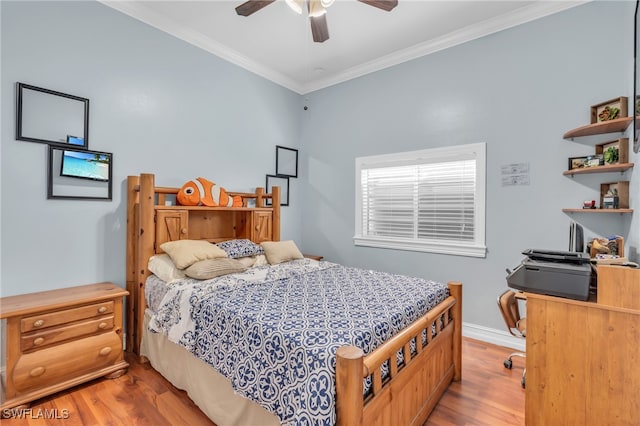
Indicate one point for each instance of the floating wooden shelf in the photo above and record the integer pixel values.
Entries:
(621, 211)
(611, 126)
(620, 167)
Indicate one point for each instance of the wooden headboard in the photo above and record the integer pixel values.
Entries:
(150, 222)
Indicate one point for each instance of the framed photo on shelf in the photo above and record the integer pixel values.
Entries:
(578, 162)
(283, 183)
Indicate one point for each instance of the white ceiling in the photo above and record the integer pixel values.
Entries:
(276, 43)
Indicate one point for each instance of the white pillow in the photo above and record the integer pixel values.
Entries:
(185, 253)
(162, 267)
(281, 251)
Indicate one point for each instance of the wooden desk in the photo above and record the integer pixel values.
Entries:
(619, 286)
(582, 357)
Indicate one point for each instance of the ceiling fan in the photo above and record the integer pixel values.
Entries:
(317, 12)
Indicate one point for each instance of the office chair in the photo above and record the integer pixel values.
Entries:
(517, 326)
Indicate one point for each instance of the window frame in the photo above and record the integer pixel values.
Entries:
(477, 248)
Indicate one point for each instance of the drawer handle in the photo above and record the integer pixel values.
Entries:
(105, 351)
(102, 309)
(102, 325)
(38, 341)
(183, 230)
(38, 323)
(38, 371)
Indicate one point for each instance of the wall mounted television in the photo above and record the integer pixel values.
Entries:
(91, 165)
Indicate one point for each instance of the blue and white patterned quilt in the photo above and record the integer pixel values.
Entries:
(273, 330)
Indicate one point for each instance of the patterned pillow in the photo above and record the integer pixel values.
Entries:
(240, 248)
(211, 268)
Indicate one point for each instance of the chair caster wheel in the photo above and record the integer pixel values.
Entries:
(508, 363)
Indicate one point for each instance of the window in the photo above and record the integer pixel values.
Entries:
(431, 200)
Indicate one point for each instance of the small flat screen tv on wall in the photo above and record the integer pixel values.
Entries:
(86, 165)
(75, 140)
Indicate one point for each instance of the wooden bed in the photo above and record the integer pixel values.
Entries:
(409, 393)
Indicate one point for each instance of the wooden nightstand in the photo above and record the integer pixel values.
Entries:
(60, 338)
(313, 256)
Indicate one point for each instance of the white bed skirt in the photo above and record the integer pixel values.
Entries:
(208, 389)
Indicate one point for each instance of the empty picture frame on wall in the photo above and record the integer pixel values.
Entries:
(283, 183)
(286, 161)
(51, 117)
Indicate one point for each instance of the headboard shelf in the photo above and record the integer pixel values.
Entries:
(205, 208)
(151, 222)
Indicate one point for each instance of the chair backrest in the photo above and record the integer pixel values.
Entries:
(510, 311)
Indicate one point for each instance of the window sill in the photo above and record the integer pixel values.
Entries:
(440, 247)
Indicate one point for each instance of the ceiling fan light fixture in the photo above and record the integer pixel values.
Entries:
(316, 9)
(295, 5)
(326, 3)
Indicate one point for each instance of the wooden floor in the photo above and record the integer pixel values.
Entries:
(489, 394)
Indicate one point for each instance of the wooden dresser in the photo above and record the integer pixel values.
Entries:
(60, 338)
(582, 357)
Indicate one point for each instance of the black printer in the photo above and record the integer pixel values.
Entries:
(556, 273)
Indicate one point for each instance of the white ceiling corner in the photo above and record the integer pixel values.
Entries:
(276, 44)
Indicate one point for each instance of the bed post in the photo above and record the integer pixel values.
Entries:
(349, 387)
(145, 241)
(132, 226)
(276, 212)
(455, 288)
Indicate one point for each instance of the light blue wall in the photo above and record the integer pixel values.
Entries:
(163, 106)
(158, 104)
(519, 91)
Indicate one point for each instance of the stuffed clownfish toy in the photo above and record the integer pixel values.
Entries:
(202, 192)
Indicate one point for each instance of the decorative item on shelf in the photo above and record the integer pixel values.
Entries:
(609, 110)
(614, 152)
(589, 204)
(606, 247)
(611, 155)
(614, 195)
(611, 199)
(586, 161)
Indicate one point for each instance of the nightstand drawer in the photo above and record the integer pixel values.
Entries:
(38, 322)
(39, 339)
(65, 361)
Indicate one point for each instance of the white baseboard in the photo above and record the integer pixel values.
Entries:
(491, 335)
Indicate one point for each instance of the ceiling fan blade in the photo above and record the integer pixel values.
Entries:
(387, 5)
(252, 6)
(319, 28)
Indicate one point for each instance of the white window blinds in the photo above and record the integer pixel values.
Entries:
(429, 200)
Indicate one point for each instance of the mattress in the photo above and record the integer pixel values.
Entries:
(273, 330)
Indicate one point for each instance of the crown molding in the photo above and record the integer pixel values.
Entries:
(536, 10)
(137, 11)
(490, 26)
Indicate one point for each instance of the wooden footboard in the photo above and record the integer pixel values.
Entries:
(411, 390)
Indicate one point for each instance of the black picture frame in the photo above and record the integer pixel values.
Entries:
(77, 185)
(283, 183)
(286, 161)
(51, 117)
